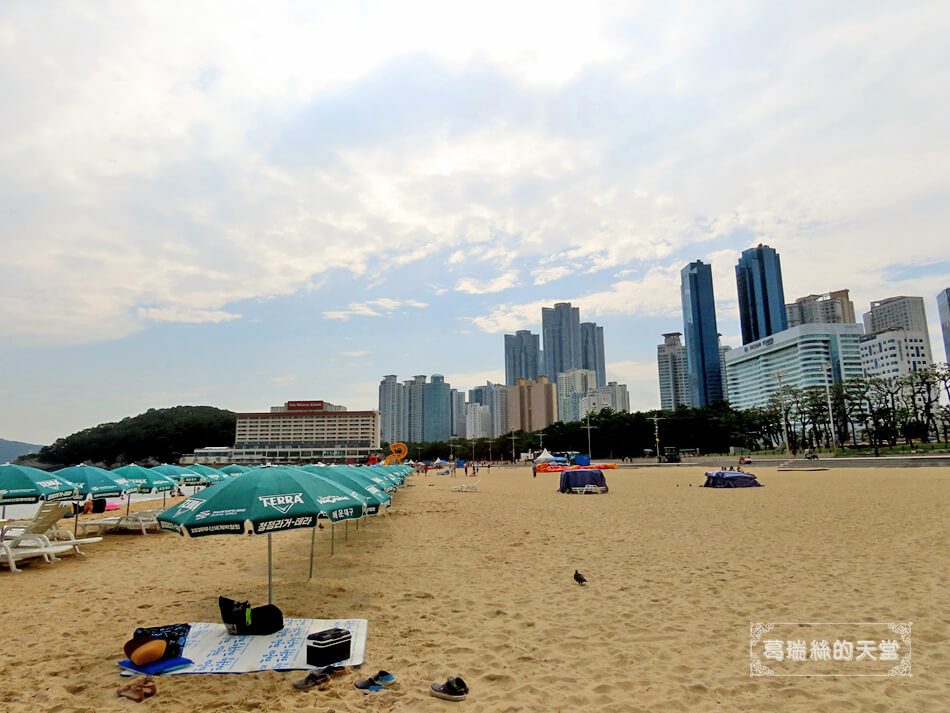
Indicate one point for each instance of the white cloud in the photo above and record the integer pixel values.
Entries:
(356, 354)
(185, 314)
(463, 381)
(372, 308)
(478, 286)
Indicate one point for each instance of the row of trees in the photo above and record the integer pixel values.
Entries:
(870, 410)
(874, 409)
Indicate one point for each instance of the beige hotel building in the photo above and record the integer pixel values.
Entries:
(298, 432)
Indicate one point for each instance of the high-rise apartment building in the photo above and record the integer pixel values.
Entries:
(612, 395)
(561, 332)
(415, 409)
(761, 295)
(523, 356)
(499, 410)
(673, 373)
(477, 421)
(702, 337)
(828, 308)
(943, 309)
(391, 394)
(723, 350)
(592, 351)
(893, 353)
(458, 413)
(437, 420)
(902, 312)
(572, 385)
(532, 405)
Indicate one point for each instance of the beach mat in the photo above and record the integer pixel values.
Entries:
(213, 650)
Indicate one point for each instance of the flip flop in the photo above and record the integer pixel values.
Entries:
(454, 689)
(148, 687)
(316, 678)
(132, 691)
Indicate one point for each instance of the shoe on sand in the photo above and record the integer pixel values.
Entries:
(454, 689)
(315, 678)
(368, 685)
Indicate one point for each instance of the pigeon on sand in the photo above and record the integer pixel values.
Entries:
(579, 578)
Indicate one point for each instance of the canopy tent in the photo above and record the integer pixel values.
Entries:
(544, 457)
(730, 479)
(583, 481)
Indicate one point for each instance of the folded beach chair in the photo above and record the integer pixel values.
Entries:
(10, 555)
(102, 525)
(467, 487)
(41, 531)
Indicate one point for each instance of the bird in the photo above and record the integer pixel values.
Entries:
(579, 578)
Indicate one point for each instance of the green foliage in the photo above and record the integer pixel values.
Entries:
(160, 435)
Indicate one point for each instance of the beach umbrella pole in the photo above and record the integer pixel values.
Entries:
(270, 580)
(313, 543)
(331, 536)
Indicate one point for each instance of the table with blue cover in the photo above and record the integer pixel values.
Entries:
(579, 479)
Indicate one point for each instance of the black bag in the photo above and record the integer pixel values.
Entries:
(241, 618)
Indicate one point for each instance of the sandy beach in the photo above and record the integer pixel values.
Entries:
(480, 585)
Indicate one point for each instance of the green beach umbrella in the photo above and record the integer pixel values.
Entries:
(262, 502)
(234, 469)
(145, 480)
(96, 483)
(212, 475)
(181, 475)
(377, 500)
(21, 484)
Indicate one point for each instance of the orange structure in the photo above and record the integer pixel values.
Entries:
(399, 451)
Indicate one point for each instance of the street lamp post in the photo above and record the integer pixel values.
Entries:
(656, 436)
(831, 416)
(779, 375)
(588, 427)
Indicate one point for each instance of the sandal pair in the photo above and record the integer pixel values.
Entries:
(138, 691)
(454, 689)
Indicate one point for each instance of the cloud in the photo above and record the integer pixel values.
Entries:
(356, 354)
(372, 308)
(463, 381)
(185, 314)
(477, 286)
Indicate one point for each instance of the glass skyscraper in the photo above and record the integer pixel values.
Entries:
(522, 356)
(943, 309)
(561, 330)
(592, 351)
(702, 336)
(437, 417)
(761, 296)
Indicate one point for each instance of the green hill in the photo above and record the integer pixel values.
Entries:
(159, 435)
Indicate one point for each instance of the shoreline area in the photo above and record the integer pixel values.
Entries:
(480, 585)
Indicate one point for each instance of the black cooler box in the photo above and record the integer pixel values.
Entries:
(328, 647)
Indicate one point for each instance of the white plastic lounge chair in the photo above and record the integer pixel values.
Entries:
(11, 555)
(100, 526)
(41, 531)
(467, 487)
(140, 521)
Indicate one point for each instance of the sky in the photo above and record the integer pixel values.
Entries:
(239, 204)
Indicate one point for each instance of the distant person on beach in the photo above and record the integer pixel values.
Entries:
(466, 469)
(534, 471)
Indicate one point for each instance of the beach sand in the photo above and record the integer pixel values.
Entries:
(480, 585)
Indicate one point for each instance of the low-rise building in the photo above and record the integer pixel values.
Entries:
(800, 357)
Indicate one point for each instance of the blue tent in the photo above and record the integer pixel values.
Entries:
(730, 479)
(583, 481)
